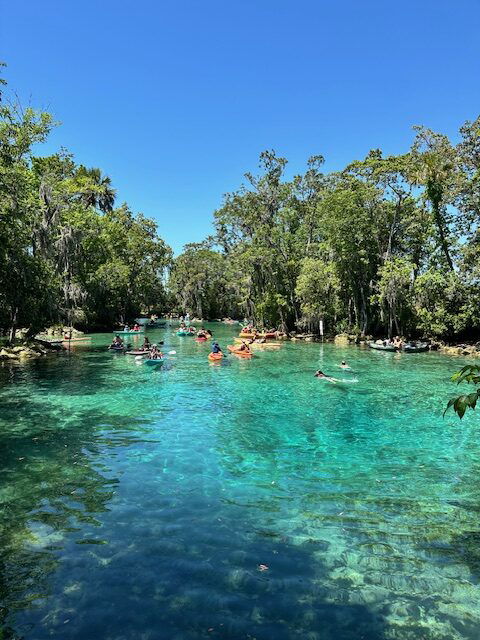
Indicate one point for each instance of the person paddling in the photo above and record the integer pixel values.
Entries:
(216, 348)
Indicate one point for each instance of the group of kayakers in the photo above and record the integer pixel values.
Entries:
(250, 328)
(147, 347)
(136, 327)
(393, 342)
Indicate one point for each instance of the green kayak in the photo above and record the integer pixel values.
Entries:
(154, 362)
(128, 332)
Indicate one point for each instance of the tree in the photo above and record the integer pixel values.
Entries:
(394, 294)
(21, 273)
(95, 189)
(199, 283)
(433, 165)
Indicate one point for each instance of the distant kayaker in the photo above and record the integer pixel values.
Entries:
(146, 344)
(116, 342)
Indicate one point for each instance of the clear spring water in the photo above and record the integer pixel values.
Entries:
(140, 504)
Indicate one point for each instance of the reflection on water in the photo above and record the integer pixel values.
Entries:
(248, 501)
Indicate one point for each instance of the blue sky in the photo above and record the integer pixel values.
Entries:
(175, 100)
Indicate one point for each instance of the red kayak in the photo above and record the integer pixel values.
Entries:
(201, 339)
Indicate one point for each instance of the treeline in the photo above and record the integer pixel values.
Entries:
(67, 254)
(390, 245)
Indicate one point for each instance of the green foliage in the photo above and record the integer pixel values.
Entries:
(199, 283)
(379, 247)
(394, 294)
(66, 255)
(388, 245)
(471, 375)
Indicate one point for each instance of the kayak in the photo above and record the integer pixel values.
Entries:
(154, 362)
(201, 339)
(382, 347)
(182, 333)
(243, 354)
(415, 348)
(246, 334)
(137, 353)
(130, 332)
(117, 348)
(215, 357)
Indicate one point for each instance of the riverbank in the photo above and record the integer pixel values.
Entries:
(28, 350)
(461, 349)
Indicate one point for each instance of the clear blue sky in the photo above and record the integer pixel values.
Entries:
(175, 100)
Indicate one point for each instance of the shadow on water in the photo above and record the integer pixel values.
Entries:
(164, 577)
(49, 486)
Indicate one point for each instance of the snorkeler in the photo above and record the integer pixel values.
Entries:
(320, 374)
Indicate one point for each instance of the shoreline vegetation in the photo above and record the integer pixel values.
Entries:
(387, 246)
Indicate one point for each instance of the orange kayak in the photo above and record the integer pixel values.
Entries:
(243, 354)
(214, 357)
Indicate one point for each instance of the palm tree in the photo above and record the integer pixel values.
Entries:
(97, 191)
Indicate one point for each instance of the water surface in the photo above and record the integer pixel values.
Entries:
(248, 500)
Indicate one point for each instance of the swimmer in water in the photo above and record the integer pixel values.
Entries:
(344, 365)
(320, 374)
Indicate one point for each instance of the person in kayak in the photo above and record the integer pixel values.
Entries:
(320, 374)
(208, 333)
(244, 347)
(117, 341)
(146, 346)
(216, 348)
(155, 354)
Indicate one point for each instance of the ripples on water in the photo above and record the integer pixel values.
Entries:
(141, 504)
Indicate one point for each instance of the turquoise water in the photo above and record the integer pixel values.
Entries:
(141, 504)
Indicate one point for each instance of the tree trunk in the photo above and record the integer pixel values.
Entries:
(13, 326)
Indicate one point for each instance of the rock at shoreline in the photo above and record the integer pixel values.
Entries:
(22, 352)
(470, 351)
